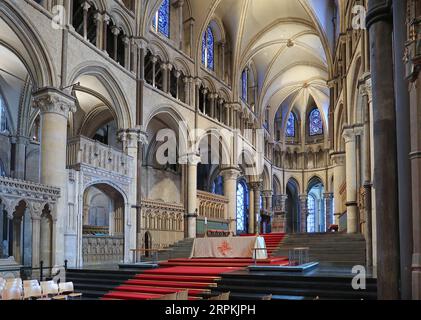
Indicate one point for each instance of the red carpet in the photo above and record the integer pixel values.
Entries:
(198, 276)
(273, 240)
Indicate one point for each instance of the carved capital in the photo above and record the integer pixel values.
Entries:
(141, 43)
(350, 133)
(231, 173)
(191, 159)
(51, 100)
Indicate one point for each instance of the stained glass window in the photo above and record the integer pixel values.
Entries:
(208, 49)
(290, 131)
(2, 170)
(311, 207)
(161, 22)
(3, 119)
(244, 80)
(241, 207)
(316, 123)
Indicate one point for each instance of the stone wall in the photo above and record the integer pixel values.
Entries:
(102, 250)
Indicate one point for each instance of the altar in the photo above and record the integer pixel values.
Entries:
(230, 247)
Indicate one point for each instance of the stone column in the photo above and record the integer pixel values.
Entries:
(133, 141)
(213, 97)
(365, 90)
(115, 31)
(177, 80)
(99, 30)
(413, 61)
(350, 134)
(191, 26)
(303, 213)
(257, 194)
(105, 22)
(127, 52)
(179, 6)
(223, 61)
(36, 236)
(379, 24)
(191, 161)
(165, 77)
(403, 147)
(21, 144)
(55, 106)
(328, 197)
(338, 160)
(230, 191)
(154, 60)
(86, 6)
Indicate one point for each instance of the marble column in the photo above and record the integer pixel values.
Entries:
(55, 107)
(379, 24)
(303, 213)
(257, 195)
(338, 160)
(230, 176)
(350, 135)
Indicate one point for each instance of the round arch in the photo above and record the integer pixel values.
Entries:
(19, 37)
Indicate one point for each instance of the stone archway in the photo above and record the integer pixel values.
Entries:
(103, 225)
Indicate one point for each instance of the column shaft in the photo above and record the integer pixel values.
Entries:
(385, 172)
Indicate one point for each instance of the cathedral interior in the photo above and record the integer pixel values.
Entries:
(131, 127)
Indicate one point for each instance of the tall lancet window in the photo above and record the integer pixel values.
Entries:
(315, 123)
(242, 202)
(3, 118)
(244, 86)
(208, 49)
(290, 131)
(311, 218)
(161, 21)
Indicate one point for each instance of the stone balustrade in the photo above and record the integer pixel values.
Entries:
(83, 151)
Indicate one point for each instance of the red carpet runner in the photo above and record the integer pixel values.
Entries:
(198, 276)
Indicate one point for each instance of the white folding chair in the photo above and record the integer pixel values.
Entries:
(67, 288)
(10, 285)
(49, 288)
(14, 293)
(30, 283)
(31, 292)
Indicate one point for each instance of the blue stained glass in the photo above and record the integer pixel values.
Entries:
(290, 132)
(204, 49)
(208, 42)
(241, 207)
(3, 119)
(311, 207)
(315, 123)
(244, 81)
(163, 19)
